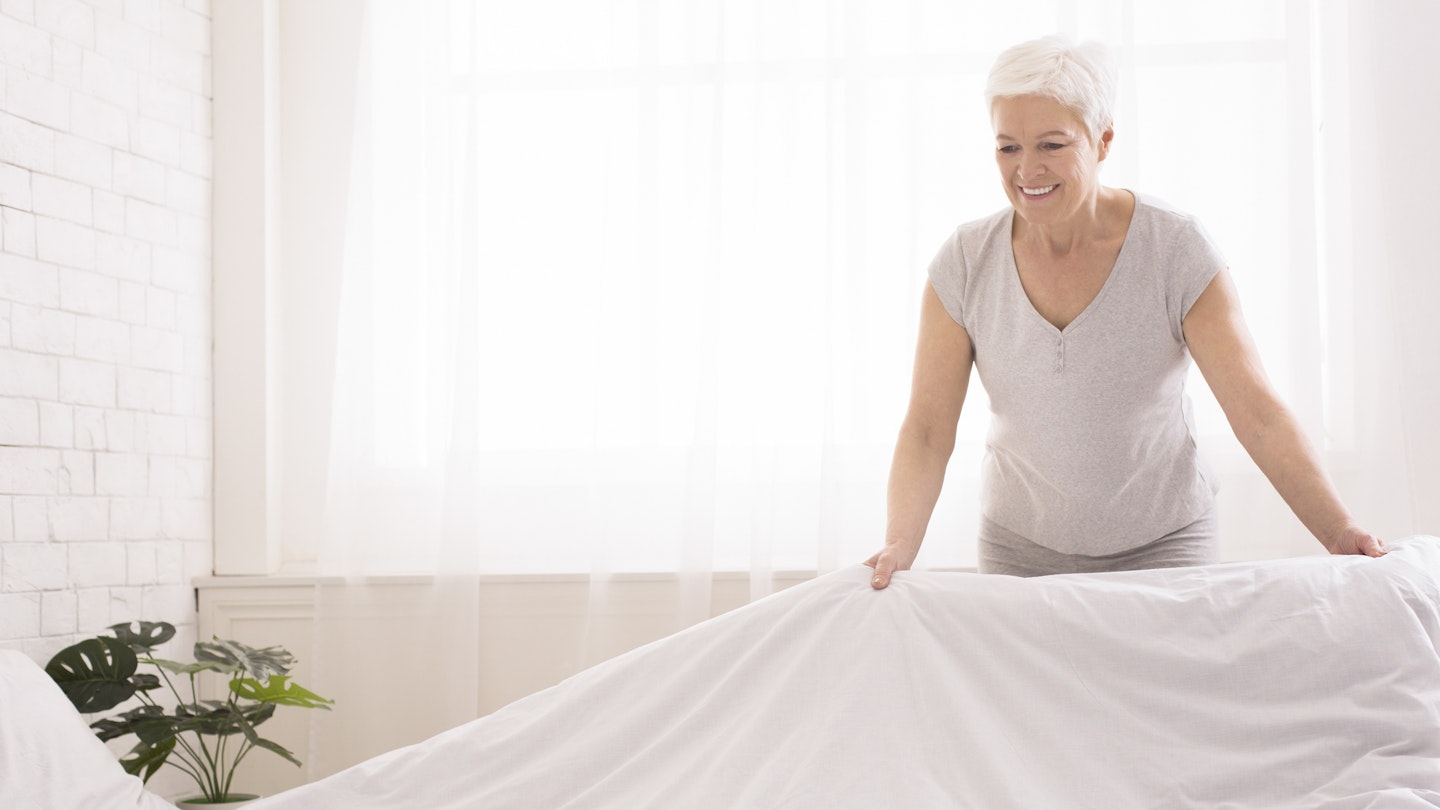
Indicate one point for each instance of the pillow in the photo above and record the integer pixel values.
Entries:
(49, 757)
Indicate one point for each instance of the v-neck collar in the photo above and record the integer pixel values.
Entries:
(1009, 228)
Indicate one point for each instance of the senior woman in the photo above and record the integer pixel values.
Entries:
(1081, 307)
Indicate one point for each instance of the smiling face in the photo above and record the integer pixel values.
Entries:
(1049, 163)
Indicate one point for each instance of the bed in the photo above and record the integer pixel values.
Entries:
(1307, 682)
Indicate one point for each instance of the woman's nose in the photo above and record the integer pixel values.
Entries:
(1031, 165)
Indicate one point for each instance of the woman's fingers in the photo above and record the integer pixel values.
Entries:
(1354, 540)
(884, 567)
(893, 557)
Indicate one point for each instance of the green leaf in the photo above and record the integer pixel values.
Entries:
(147, 758)
(100, 673)
(257, 714)
(149, 635)
(276, 748)
(268, 745)
(279, 690)
(124, 723)
(259, 664)
(155, 730)
(190, 669)
(95, 673)
(207, 717)
(217, 718)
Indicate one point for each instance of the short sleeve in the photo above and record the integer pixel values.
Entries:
(947, 277)
(1195, 261)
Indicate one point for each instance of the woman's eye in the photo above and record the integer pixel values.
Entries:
(1010, 149)
(1051, 147)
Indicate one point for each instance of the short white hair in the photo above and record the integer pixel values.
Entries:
(1082, 77)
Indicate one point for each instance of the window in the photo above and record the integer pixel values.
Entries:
(655, 267)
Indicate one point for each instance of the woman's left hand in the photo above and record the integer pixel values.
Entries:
(1352, 539)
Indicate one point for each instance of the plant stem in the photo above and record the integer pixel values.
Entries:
(184, 757)
(189, 755)
(245, 748)
(184, 765)
(225, 777)
(222, 779)
(194, 766)
(211, 763)
(166, 676)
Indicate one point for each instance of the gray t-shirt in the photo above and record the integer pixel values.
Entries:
(1091, 447)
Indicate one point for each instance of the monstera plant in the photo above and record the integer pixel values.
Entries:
(206, 739)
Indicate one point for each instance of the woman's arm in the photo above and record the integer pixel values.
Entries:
(943, 358)
(1223, 350)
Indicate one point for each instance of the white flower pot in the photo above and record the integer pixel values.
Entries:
(200, 803)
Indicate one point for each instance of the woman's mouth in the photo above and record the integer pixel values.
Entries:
(1037, 191)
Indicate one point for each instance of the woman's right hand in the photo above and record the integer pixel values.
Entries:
(894, 557)
(943, 359)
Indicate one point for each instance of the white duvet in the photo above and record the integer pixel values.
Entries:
(1310, 682)
(1299, 683)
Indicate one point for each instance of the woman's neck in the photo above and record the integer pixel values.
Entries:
(1103, 220)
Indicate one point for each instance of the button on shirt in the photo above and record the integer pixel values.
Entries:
(1091, 445)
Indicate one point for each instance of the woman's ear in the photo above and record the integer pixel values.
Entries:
(1105, 138)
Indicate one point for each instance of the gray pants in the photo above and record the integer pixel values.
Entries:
(1002, 551)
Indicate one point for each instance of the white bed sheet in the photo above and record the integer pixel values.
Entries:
(49, 757)
(1311, 682)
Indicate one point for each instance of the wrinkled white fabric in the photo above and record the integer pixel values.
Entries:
(1311, 682)
(49, 758)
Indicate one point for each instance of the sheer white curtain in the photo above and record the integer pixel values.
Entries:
(633, 286)
(645, 274)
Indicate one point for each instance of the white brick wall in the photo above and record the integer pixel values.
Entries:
(105, 423)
